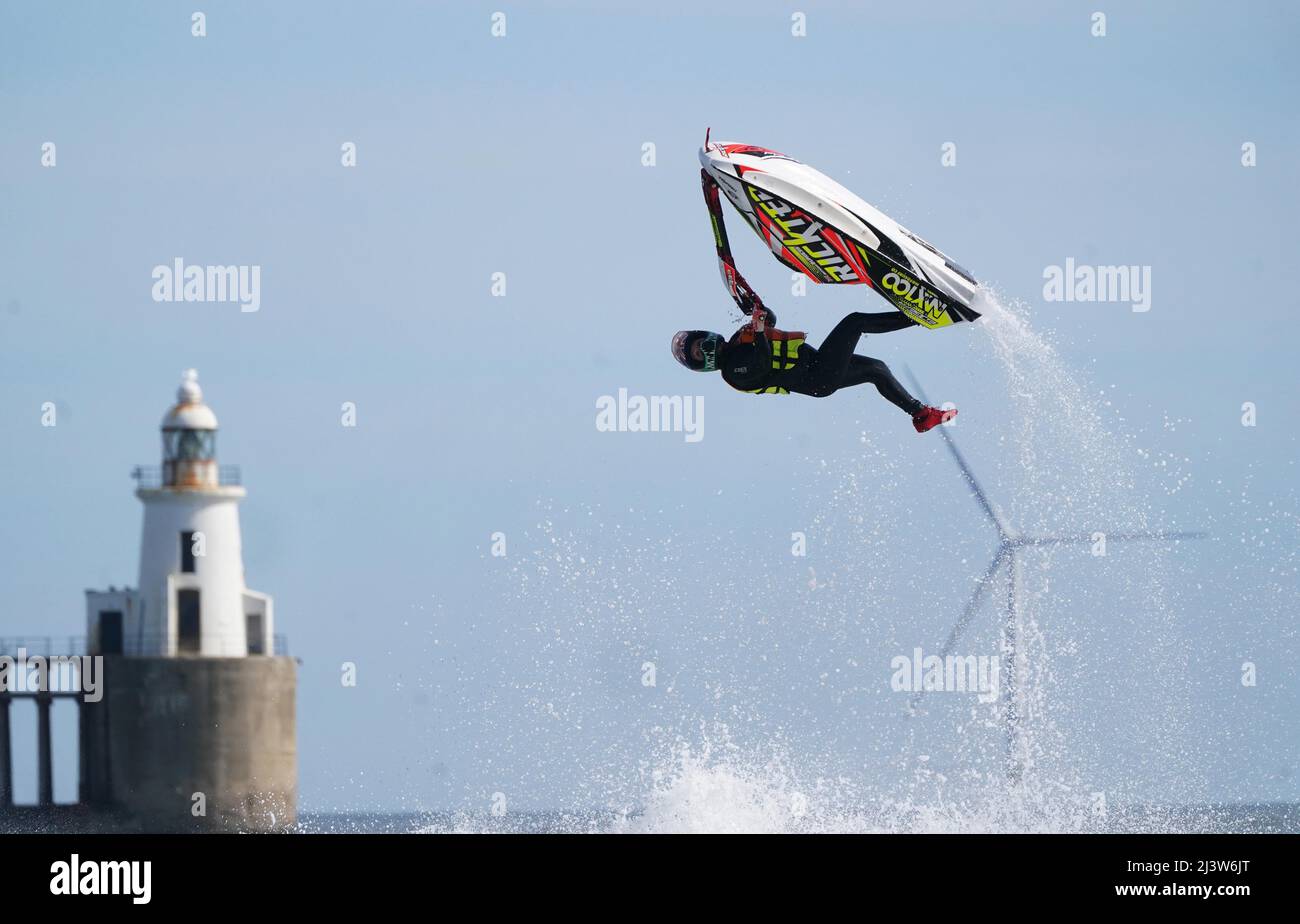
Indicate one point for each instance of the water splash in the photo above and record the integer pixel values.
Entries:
(753, 729)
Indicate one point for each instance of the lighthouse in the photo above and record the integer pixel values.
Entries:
(196, 729)
(191, 596)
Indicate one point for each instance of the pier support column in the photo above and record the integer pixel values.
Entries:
(44, 762)
(6, 756)
(83, 752)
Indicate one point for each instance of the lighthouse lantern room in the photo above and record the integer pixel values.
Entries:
(191, 599)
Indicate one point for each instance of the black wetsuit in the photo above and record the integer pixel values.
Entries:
(818, 372)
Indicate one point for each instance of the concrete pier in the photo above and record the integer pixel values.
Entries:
(195, 744)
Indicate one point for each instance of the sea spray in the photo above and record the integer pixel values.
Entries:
(1076, 473)
(624, 637)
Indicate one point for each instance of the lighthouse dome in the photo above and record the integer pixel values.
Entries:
(189, 412)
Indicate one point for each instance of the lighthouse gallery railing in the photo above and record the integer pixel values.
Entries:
(151, 476)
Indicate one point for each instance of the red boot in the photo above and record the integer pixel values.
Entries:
(927, 418)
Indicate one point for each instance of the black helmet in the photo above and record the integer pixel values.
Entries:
(684, 341)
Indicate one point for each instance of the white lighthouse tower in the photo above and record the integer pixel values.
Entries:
(191, 599)
(196, 726)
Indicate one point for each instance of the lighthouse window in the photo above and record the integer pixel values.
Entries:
(254, 627)
(196, 444)
(187, 553)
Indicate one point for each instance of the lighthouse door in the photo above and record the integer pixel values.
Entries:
(110, 632)
(187, 621)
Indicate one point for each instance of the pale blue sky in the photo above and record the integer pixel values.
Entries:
(476, 414)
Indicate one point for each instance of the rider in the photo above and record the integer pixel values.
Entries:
(764, 361)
